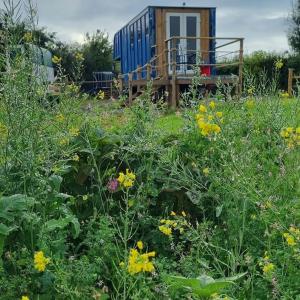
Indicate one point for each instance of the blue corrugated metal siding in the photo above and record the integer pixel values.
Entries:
(212, 33)
(133, 43)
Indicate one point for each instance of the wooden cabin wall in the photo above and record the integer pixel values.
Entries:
(161, 34)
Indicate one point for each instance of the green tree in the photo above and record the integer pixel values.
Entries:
(294, 32)
(97, 51)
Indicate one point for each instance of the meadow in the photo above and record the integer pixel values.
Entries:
(99, 200)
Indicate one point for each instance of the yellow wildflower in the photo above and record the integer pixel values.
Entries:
(101, 95)
(121, 264)
(202, 108)
(28, 37)
(138, 262)
(25, 298)
(126, 180)
(289, 239)
(60, 118)
(183, 213)
(76, 157)
(212, 105)
(165, 230)
(40, 261)
(268, 268)
(64, 141)
(219, 114)
(278, 64)
(56, 59)
(74, 131)
(172, 213)
(210, 117)
(285, 95)
(251, 90)
(140, 245)
(79, 56)
(205, 171)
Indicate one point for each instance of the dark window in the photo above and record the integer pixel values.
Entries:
(191, 31)
(174, 26)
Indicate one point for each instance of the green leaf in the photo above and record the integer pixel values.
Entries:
(219, 210)
(55, 182)
(5, 230)
(62, 223)
(203, 286)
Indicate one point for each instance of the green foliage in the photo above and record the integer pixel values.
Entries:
(202, 286)
(220, 204)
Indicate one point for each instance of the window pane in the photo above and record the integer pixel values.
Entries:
(174, 26)
(191, 31)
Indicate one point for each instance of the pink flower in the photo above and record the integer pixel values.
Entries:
(113, 185)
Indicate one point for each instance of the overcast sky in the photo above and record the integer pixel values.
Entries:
(262, 22)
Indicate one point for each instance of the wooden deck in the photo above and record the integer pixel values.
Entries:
(179, 69)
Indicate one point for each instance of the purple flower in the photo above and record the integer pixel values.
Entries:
(113, 185)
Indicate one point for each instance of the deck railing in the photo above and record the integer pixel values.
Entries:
(180, 58)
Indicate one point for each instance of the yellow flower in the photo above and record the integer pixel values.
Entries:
(76, 157)
(74, 131)
(64, 141)
(219, 114)
(140, 262)
(285, 95)
(140, 245)
(268, 268)
(298, 130)
(205, 171)
(165, 230)
(28, 37)
(289, 239)
(278, 64)
(60, 118)
(79, 56)
(210, 118)
(56, 59)
(126, 180)
(202, 108)
(172, 213)
(216, 128)
(250, 91)
(40, 261)
(25, 298)
(101, 95)
(212, 105)
(183, 213)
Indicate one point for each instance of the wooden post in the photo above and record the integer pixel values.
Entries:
(139, 77)
(290, 82)
(130, 88)
(241, 62)
(174, 65)
(167, 59)
(148, 72)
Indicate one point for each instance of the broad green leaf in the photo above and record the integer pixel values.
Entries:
(55, 182)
